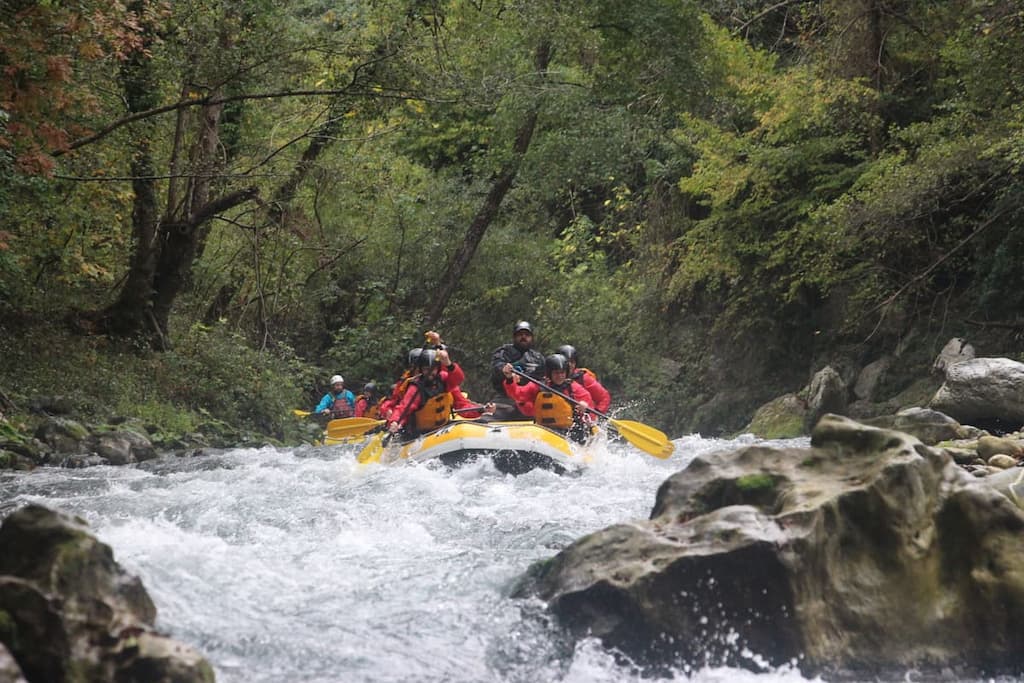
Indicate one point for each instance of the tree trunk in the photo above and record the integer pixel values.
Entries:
(128, 316)
(463, 256)
(163, 249)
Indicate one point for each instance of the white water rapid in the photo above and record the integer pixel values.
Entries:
(299, 566)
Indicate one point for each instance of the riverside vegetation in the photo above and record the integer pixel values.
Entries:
(712, 199)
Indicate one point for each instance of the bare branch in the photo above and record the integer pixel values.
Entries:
(216, 100)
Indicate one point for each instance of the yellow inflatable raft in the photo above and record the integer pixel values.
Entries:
(513, 447)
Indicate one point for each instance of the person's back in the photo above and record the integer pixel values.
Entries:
(521, 355)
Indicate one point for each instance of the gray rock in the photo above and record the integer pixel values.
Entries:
(983, 390)
(113, 448)
(827, 393)
(869, 378)
(62, 436)
(867, 553)
(955, 351)
(73, 614)
(930, 426)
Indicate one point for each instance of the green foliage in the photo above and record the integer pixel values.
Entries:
(373, 352)
(239, 385)
(692, 192)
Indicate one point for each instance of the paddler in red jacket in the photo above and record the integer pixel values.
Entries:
(548, 408)
(427, 402)
(602, 399)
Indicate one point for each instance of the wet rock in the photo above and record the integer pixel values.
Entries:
(868, 553)
(81, 460)
(69, 612)
(62, 436)
(113, 448)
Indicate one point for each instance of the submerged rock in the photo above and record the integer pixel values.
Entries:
(866, 553)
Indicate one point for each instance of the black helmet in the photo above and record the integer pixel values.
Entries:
(370, 388)
(426, 358)
(556, 361)
(569, 352)
(522, 325)
(414, 357)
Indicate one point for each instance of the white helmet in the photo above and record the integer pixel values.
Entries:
(336, 379)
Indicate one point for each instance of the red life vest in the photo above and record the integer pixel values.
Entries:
(341, 407)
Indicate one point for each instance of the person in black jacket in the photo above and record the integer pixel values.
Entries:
(521, 355)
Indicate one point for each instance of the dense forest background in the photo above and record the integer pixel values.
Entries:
(209, 206)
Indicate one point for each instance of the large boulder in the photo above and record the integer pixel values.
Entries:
(983, 392)
(868, 553)
(69, 612)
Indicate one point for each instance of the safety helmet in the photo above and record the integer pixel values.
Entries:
(556, 361)
(426, 358)
(414, 356)
(522, 325)
(569, 352)
(336, 379)
(369, 388)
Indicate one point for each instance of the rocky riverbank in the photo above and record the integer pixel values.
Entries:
(53, 438)
(972, 408)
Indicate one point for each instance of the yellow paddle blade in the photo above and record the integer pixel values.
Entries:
(351, 426)
(373, 449)
(644, 437)
(301, 413)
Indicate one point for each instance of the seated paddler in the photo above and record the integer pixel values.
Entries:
(337, 403)
(427, 401)
(549, 404)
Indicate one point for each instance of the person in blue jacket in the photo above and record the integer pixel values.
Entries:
(339, 402)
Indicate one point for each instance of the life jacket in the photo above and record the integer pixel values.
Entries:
(435, 411)
(551, 410)
(580, 373)
(372, 409)
(341, 407)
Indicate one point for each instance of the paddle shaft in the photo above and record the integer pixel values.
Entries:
(570, 399)
(644, 437)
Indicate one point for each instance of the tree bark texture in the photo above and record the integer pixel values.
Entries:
(487, 212)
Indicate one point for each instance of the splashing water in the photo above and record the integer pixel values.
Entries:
(300, 565)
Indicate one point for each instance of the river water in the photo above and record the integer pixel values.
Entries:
(298, 565)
